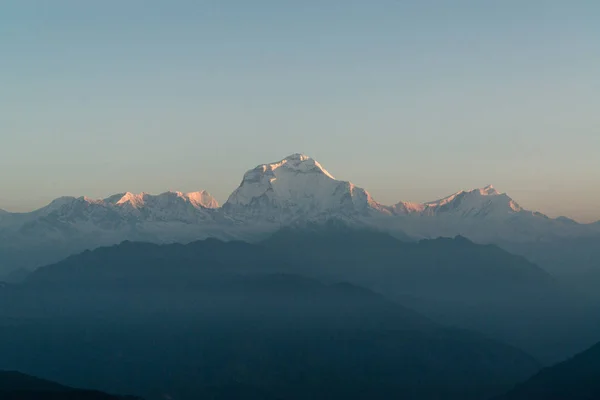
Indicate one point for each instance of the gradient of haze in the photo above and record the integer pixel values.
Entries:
(410, 100)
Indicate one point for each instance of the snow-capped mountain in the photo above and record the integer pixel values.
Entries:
(486, 202)
(292, 191)
(72, 224)
(196, 200)
(297, 187)
(479, 203)
(170, 206)
(483, 215)
(128, 207)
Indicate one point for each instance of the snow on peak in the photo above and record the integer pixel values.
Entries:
(485, 191)
(202, 199)
(407, 208)
(129, 202)
(297, 156)
(483, 202)
(489, 190)
(135, 200)
(297, 162)
(60, 203)
(295, 187)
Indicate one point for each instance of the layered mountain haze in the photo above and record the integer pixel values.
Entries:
(454, 281)
(299, 286)
(181, 319)
(292, 191)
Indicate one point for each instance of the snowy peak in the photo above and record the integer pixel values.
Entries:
(129, 207)
(66, 204)
(304, 164)
(405, 208)
(134, 200)
(483, 203)
(297, 187)
(200, 199)
(298, 163)
(489, 190)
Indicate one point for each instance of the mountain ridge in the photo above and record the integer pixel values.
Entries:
(294, 190)
(18, 386)
(207, 286)
(299, 163)
(574, 379)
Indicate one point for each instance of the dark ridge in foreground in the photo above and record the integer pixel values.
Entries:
(18, 386)
(575, 379)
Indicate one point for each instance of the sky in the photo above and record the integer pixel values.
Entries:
(410, 100)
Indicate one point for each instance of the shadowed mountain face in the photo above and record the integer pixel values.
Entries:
(452, 281)
(17, 386)
(575, 379)
(575, 261)
(213, 318)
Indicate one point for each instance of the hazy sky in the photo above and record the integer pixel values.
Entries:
(411, 100)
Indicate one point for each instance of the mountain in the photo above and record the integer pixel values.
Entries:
(480, 203)
(454, 281)
(295, 188)
(15, 276)
(575, 379)
(69, 225)
(293, 191)
(214, 317)
(567, 258)
(17, 386)
(560, 245)
(484, 215)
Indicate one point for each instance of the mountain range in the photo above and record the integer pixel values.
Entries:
(299, 286)
(292, 191)
(453, 281)
(210, 317)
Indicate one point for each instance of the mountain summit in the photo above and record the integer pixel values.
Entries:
(201, 199)
(489, 190)
(297, 187)
(482, 202)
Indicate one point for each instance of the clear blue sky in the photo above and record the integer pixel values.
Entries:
(411, 100)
